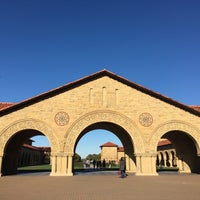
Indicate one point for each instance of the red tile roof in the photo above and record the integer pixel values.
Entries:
(4, 105)
(92, 77)
(109, 144)
(36, 148)
(196, 108)
(31, 147)
(164, 142)
(120, 149)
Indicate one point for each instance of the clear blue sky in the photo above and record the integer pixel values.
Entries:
(48, 43)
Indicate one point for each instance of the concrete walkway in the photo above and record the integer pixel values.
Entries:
(104, 187)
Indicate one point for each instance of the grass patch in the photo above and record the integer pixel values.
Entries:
(78, 166)
(35, 168)
(171, 169)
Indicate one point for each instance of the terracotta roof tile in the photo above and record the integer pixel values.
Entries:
(92, 77)
(164, 142)
(4, 105)
(120, 149)
(197, 108)
(109, 144)
(31, 147)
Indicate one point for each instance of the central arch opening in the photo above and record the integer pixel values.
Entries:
(117, 141)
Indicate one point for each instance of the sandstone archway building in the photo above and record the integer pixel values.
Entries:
(139, 117)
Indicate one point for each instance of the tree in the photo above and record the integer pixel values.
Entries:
(93, 157)
(77, 157)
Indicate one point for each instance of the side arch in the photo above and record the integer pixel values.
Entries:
(35, 124)
(189, 129)
(103, 116)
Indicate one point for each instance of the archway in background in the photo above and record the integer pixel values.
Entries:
(183, 152)
(90, 143)
(16, 153)
(120, 133)
(89, 149)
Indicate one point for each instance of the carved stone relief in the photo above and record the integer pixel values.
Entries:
(146, 119)
(103, 116)
(11, 130)
(61, 118)
(171, 126)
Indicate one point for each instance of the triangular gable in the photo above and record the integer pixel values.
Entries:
(92, 77)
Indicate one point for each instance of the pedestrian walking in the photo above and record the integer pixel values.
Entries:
(122, 167)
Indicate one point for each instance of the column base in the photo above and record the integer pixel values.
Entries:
(146, 174)
(60, 174)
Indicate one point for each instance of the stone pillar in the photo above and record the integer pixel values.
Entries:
(146, 164)
(1, 160)
(127, 163)
(59, 164)
(183, 166)
(53, 165)
(138, 164)
(69, 164)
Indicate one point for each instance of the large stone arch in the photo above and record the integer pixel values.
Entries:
(185, 127)
(103, 116)
(34, 124)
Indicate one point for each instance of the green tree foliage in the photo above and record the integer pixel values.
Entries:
(77, 158)
(93, 157)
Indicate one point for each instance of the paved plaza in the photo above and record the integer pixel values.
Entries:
(100, 187)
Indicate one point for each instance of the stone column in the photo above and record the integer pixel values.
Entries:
(53, 165)
(1, 160)
(146, 164)
(183, 166)
(127, 159)
(59, 164)
(138, 164)
(69, 164)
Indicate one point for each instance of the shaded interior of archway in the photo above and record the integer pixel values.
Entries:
(185, 150)
(12, 150)
(117, 130)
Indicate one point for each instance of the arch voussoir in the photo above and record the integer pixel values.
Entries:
(34, 124)
(191, 130)
(103, 116)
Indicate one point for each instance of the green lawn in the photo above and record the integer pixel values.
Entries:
(167, 169)
(47, 168)
(36, 168)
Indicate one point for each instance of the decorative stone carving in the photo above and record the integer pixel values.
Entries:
(146, 119)
(103, 116)
(9, 131)
(171, 126)
(61, 118)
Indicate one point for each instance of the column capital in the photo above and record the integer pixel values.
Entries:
(146, 154)
(59, 154)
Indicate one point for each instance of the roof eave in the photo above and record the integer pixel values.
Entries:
(89, 78)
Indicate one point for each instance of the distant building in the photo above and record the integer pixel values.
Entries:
(166, 156)
(31, 155)
(111, 152)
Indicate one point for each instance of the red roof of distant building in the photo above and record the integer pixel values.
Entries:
(36, 148)
(109, 144)
(120, 149)
(164, 142)
(31, 147)
(45, 148)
